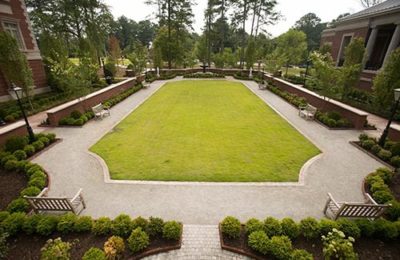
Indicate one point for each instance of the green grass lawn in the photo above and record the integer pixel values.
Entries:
(215, 131)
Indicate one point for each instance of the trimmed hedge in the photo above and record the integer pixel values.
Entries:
(333, 119)
(151, 76)
(200, 75)
(390, 153)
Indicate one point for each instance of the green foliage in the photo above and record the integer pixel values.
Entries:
(349, 228)
(155, 226)
(325, 73)
(66, 223)
(393, 212)
(140, 222)
(272, 227)
(333, 119)
(18, 205)
(20, 155)
(31, 223)
(102, 226)
(366, 227)
(14, 64)
(56, 249)
(385, 229)
(94, 254)
(114, 247)
(138, 58)
(253, 225)
(39, 145)
(172, 230)
(384, 155)
(250, 54)
(309, 227)
(47, 225)
(387, 80)
(300, 254)
(29, 150)
(336, 245)
(38, 182)
(292, 46)
(13, 223)
(280, 247)
(138, 240)
(375, 149)
(15, 143)
(326, 226)
(83, 224)
(259, 242)
(231, 227)
(290, 228)
(11, 165)
(3, 245)
(122, 226)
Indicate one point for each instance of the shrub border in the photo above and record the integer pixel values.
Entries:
(358, 146)
(234, 249)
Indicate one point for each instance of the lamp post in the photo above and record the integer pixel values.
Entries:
(18, 94)
(396, 105)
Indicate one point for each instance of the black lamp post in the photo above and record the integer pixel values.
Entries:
(396, 105)
(18, 94)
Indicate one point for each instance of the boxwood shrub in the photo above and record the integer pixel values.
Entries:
(259, 242)
(155, 226)
(122, 226)
(231, 226)
(272, 227)
(309, 227)
(253, 225)
(94, 254)
(172, 230)
(138, 240)
(102, 226)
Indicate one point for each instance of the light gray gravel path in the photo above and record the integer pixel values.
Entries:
(340, 170)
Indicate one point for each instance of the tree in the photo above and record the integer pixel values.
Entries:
(250, 54)
(352, 67)
(387, 81)
(138, 58)
(369, 3)
(201, 49)
(311, 25)
(114, 49)
(325, 73)
(14, 65)
(292, 47)
(157, 57)
(240, 15)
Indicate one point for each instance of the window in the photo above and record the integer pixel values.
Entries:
(13, 29)
(345, 42)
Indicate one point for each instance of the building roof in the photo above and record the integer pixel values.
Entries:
(382, 8)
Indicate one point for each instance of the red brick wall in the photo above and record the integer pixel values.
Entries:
(19, 131)
(39, 75)
(337, 39)
(88, 103)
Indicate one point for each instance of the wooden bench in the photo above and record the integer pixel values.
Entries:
(145, 84)
(42, 203)
(369, 209)
(308, 111)
(100, 111)
(262, 86)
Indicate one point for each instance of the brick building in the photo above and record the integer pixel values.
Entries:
(378, 25)
(14, 19)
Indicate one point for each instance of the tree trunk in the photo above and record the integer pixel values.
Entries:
(243, 34)
(169, 35)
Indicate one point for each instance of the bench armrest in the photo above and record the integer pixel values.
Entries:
(333, 200)
(370, 199)
(77, 196)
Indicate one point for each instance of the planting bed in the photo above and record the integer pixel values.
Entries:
(11, 184)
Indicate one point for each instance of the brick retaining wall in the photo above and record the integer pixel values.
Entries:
(16, 129)
(86, 103)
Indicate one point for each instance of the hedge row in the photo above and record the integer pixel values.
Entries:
(274, 237)
(294, 79)
(291, 98)
(13, 158)
(378, 184)
(200, 75)
(151, 77)
(138, 232)
(390, 153)
(76, 118)
(333, 119)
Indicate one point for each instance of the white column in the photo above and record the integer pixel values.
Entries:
(370, 45)
(393, 43)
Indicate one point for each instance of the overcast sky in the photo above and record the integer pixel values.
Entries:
(291, 9)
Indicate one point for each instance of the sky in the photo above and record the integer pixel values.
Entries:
(292, 10)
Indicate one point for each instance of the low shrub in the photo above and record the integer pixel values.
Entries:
(56, 249)
(66, 223)
(259, 242)
(385, 155)
(114, 247)
(18, 205)
(395, 161)
(300, 254)
(393, 212)
(30, 224)
(102, 226)
(20, 155)
(29, 150)
(155, 226)
(3, 245)
(7, 158)
(138, 240)
(337, 246)
(366, 227)
(253, 225)
(47, 225)
(327, 225)
(15, 143)
(332, 119)
(140, 222)
(309, 227)
(13, 223)
(272, 227)
(376, 149)
(94, 254)
(385, 229)
(37, 182)
(83, 224)
(3, 216)
(200, 75)
(349, 228)
(11, 165)
(290, 228)
(44, 140)
(280, 247)
(122, 226)
(363, 137)
(230, 226)
(172, 230)
(39, 145)
(30, 191)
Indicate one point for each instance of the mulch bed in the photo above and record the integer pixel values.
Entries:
(366, 248)
(28, 246)
(11, 184)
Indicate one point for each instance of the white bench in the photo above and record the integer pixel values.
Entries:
(100, 111)
(262, 86)
(42, 203)
(369, 209)
(308, 111)
(145, 84)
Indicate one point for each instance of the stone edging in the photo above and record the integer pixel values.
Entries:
(234, 249)
(301, 176)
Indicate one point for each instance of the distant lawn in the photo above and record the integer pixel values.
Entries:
(214, 131)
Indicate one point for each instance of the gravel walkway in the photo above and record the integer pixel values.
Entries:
(340, 170)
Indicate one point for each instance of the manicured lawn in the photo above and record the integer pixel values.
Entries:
(216, 131)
